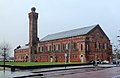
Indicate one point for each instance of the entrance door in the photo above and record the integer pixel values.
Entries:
(51, 58)
(26, 58)
(81, 58)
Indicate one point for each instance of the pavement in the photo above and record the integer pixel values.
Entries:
(70, 67)
(42, 72)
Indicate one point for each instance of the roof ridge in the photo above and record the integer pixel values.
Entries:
(73, 29)
(69, 33)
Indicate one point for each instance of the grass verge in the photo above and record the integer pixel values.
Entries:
(36, 63)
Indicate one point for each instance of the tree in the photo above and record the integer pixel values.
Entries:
(4, 50)
(5, 47)
(116, 51)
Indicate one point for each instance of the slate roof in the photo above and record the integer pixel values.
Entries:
(70, 33)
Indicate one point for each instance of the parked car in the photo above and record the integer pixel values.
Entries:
(104, 62)
(95, 61)
(115, 61)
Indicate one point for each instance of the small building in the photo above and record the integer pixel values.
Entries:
(77, 45)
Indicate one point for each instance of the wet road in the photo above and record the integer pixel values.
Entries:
(85, 73)
(102, 71)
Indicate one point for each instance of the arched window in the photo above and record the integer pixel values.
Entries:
(63, 46)
(95, 45)
(38, 49)
(87, 47)
(81, 47)
(54, 47)
(75, 45)
(67, 46)
(58, 46)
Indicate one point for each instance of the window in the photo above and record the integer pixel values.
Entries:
(104, 46)
(63, 46)
(49, 48)
(81, 47)
(97, 45)
(54, 47)
(46, 48)
(67, 46)
(38, 49)
(58, 46)
(75, 45)
(87, 47)
(81, 55)
(42, 49)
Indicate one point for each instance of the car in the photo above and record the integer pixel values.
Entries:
(95, 61)
(116, 62)
(105, 62)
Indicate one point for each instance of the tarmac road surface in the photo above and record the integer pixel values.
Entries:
(113, 72)
(87, 71)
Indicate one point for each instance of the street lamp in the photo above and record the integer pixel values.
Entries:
(69, 49)
(4, 50)
(65, 59)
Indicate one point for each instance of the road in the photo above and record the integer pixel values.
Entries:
(113, 72)
(89, 71)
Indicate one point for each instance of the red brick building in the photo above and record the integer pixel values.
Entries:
(77, 45)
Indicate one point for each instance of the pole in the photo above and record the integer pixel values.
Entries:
(116, 59)
(70, 49)
(69, 57)
(65, 59)
(4, 58)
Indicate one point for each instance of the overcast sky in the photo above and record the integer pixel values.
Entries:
(56, 16)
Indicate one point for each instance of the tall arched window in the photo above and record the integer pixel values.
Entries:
(81, 46)
(58, 46)
(75, 45)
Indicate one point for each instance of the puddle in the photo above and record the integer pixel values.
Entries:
(9, 74)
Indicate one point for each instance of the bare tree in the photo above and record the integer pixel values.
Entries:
(5, 47)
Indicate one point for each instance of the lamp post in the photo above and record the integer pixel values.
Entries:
(69, 49)
(69, 52)
(65, 59)
(4, 50)
(95, 59)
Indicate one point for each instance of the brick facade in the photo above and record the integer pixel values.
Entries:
(21, 55)
(84, 52)
(93, 45)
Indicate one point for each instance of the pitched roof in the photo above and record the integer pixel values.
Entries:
(70, 33)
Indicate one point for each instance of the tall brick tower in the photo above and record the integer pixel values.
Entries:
(33, 38)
